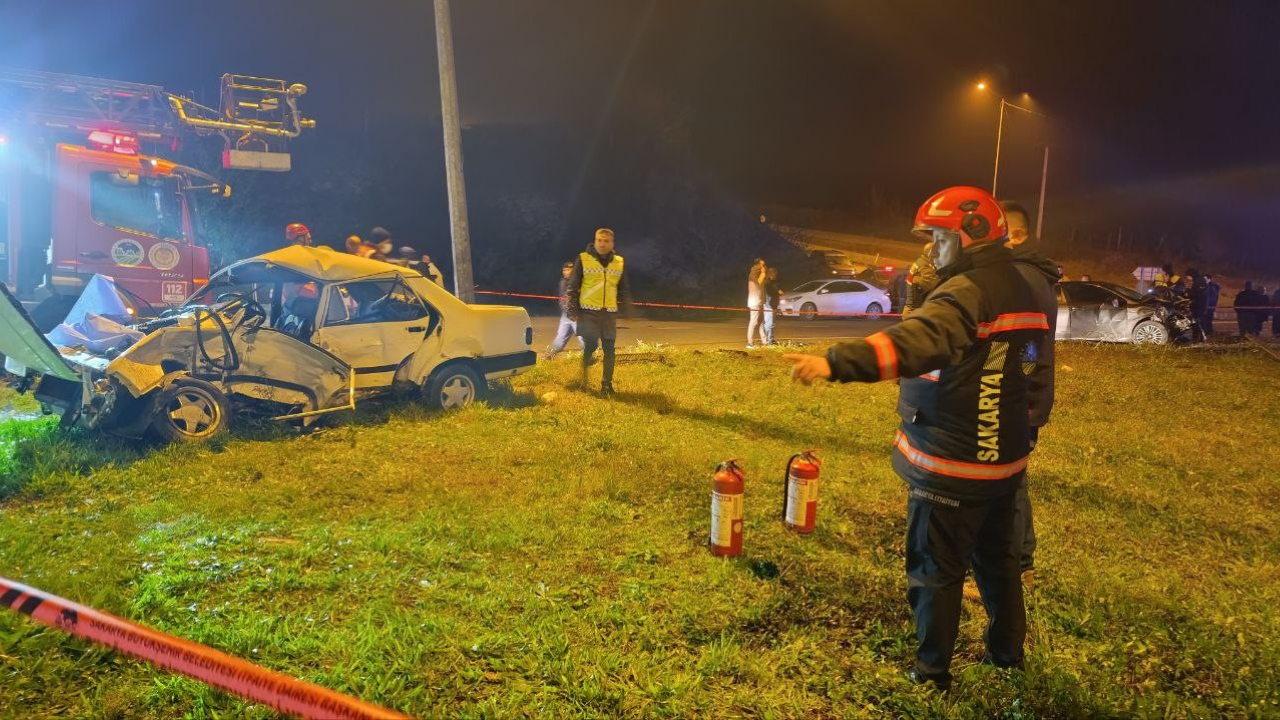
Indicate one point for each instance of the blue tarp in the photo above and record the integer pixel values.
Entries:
(95, 320)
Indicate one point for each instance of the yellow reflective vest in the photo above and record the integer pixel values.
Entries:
(599, 283)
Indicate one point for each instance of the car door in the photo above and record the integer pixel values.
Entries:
(1095, 313)
(842, 296)
(374, 325)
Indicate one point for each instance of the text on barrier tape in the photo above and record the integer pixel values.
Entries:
(194, 660)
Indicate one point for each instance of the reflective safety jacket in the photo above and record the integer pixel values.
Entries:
(965, 358)
(598, 284)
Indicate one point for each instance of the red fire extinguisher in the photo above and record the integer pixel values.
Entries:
(726, 510)
(800, 506)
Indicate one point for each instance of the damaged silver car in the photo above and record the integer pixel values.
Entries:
(289, 335)
(1106, 312)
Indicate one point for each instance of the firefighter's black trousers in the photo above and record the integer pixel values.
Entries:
(943, 537)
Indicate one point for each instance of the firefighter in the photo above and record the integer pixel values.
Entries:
(965, 359)
(297, 234)
(922, 278)
(598, 288)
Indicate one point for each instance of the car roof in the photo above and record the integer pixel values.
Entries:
(325, 264)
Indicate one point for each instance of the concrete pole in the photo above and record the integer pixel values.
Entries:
(1044, 179)
(463, 284)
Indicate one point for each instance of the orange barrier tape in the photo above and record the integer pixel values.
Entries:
(675, 306)
(194, 660)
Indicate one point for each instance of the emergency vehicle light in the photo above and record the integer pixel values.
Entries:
(888, 268)
(114, 142)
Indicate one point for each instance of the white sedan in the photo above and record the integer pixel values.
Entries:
(835, 297)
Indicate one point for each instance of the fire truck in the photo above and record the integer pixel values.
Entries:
(84, 188)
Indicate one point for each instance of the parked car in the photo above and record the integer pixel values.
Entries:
(1106, 312)
(847, 297)
(291, 334)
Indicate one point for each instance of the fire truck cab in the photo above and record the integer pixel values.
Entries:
(83, 190)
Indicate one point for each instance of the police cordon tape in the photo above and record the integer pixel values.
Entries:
(240, 677)
(677, 306)
(788, 313)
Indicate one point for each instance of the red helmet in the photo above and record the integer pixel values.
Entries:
(970, 212)
(293, 231)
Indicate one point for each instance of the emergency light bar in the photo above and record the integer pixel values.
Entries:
(114, 142)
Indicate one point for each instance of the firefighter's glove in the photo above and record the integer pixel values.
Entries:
(807, 368)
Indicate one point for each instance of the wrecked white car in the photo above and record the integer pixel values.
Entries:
(292, 334)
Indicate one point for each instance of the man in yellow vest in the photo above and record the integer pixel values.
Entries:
(597, 289)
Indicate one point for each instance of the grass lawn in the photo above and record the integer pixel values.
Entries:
(544, 555)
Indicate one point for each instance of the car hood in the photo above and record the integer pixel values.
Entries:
(24, 346)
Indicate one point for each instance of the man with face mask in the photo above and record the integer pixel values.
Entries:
(964, 439)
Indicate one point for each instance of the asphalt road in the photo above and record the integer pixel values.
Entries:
(717, 333)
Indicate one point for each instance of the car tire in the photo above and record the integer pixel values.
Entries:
(1150, 332)
(454, 387)
(190, 411)
(808, 311)
(873, 310)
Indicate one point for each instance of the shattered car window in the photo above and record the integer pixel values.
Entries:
(372, 301)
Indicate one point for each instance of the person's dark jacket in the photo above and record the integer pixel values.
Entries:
(964, 356)
(1211, 293)
(564, 293)
(772, 294)
(1199, 296)
(626, 306)
(1042, 274)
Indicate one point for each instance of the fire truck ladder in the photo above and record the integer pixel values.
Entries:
(257, 117)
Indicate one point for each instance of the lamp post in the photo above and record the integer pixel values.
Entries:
(995, 173)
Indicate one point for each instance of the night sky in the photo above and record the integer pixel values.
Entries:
(806, 103)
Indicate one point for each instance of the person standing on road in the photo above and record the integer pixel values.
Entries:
(568, 328)
(1197, 297)
(1262, 301)
(353, 244)
(1211, 293)
(965, 435)
(598, 288)
(772, 295)
(755, 300)
(1275, 313)
(1244, 316)
(1041, 273)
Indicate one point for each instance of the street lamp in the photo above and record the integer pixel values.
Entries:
(995, 174)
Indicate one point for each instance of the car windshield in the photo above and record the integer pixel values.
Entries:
(1124, 292)
(809, 286)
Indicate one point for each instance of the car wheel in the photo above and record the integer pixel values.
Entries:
(874, 310)
(455, 386)
(190, 410)
(1150, 332)
(808, 311)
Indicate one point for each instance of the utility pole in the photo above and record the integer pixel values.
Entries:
(463, 284)
(1044, 179)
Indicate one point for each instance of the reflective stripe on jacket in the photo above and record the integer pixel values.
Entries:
(966, 358)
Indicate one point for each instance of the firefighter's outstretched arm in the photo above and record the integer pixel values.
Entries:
(931, 338)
